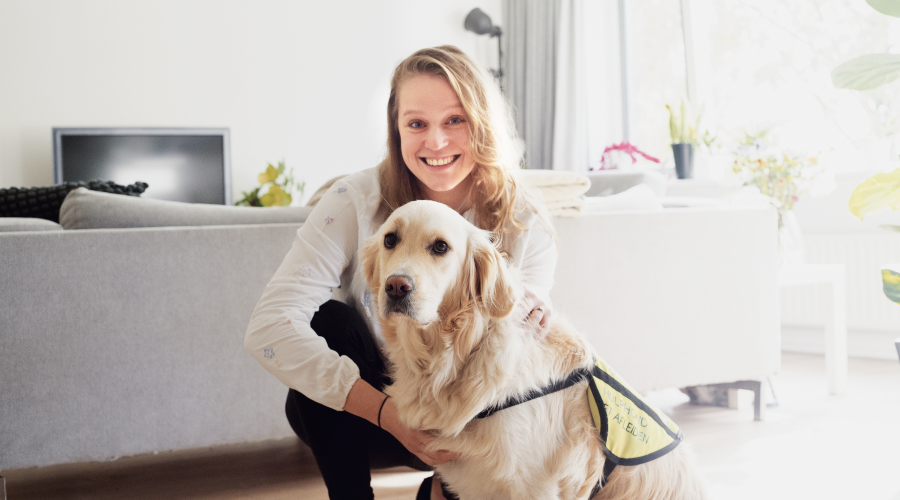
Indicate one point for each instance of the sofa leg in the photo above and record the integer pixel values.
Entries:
(759, 393)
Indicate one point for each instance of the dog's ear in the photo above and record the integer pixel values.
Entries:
(371, 266)
(490, 285)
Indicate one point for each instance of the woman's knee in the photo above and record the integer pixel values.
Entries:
(340, 325)
(346, 333)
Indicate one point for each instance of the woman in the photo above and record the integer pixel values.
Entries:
(450, 141)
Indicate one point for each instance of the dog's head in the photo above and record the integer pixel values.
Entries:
(427, 263)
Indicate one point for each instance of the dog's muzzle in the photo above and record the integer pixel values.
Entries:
(398, 289)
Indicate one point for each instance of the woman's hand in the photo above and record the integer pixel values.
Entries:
(415, 440)
(538, 319)
(365, 401)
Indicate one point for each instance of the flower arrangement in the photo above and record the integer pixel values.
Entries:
(279, 187)
(607, 162)
(782, 176)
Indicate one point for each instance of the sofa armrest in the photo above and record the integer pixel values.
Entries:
(674, 298)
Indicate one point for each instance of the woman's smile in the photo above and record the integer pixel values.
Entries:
(440, 162)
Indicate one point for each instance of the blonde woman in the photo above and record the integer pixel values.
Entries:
(450, 140)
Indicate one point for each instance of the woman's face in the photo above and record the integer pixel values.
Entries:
(434, 137)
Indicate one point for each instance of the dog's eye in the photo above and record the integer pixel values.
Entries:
(390, 240)
(440, 247)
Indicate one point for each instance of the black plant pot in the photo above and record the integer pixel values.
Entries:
(684, 160)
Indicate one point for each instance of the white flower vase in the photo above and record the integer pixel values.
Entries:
(790, 239)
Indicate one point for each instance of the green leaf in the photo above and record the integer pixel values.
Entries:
(673, 127)
(888, 7)
(867, 72)
(891, 282)
(879, 191)
(890, 227)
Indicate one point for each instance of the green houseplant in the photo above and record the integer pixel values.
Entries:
(277, 185)
(881, 190)
(684, 125)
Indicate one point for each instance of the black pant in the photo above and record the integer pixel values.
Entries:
(345, 446)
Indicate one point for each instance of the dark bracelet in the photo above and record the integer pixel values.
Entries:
(379, 410)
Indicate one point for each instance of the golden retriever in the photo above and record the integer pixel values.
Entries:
(451, 312)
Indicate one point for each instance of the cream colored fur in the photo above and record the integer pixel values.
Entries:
(462, 346)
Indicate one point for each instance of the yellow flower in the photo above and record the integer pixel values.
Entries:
(276, 197)
(269, 175)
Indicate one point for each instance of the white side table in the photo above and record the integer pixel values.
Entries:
(831, 275)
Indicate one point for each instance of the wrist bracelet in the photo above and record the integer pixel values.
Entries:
(379, 411)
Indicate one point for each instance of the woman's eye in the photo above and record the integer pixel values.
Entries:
(390, 240)
(440, 247)
(455, 120)
(416, 124)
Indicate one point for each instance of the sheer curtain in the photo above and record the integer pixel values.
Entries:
(570, 117)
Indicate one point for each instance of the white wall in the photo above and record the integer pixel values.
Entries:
(302, 81)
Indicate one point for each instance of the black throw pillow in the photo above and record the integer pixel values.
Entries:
(44, 202)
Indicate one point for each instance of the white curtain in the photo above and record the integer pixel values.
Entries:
(570, 119)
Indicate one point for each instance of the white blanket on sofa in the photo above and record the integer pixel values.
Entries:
(561, 191)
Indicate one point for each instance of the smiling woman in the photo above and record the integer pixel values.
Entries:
(446, 118)
(449, 141)
(434, 138)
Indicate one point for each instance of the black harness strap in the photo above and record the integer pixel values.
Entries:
(556, 386)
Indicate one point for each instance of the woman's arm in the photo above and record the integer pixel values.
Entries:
(366, 401)
(279, 335)
(536, 256)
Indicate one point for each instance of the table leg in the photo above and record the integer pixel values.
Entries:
(836, 336)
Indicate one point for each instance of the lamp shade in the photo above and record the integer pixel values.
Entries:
(478, 22)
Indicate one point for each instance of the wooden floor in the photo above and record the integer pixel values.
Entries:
(813, 446)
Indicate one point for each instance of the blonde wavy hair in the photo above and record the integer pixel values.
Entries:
(497, 198)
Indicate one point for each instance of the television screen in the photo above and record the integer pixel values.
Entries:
(178, 164)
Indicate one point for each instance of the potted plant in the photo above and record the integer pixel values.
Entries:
(278, 188)
(683, 130)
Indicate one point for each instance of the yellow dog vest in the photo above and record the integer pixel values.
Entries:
(633, 431)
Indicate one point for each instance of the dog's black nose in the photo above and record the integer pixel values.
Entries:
(398, 286)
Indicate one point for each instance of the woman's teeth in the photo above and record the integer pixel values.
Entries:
(437, 162)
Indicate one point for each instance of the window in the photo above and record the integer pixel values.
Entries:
(764, 64)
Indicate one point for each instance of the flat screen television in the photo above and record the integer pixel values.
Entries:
(178, 164)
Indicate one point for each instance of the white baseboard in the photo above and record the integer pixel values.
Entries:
(860, 344)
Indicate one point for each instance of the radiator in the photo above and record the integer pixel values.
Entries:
(862, 254)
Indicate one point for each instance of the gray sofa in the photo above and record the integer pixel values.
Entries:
(123, 340)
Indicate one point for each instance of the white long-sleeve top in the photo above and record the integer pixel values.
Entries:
(323, 263)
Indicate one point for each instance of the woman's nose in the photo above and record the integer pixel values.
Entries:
(437, 139)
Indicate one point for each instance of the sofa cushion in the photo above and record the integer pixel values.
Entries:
(84, 209)
(9, 224)
(44, 201)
